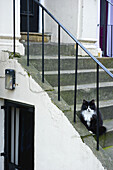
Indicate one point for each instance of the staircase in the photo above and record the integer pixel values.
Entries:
(86, 90)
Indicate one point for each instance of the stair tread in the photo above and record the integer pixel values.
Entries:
(67, 62)
(73, 71)
(56, 57)
(85, 86)
(101, 104)
(108, 124)
(64, 57)
(109, 151)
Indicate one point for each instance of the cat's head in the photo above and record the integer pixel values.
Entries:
(88, 105)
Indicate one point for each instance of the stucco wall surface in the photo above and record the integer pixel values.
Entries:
(89, 19)
(80, 17)
(6, 26)
(66, 13)
(58, 145)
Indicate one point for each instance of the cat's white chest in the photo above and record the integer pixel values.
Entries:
(88, 115)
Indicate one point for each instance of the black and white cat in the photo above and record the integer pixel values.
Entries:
(88, 117)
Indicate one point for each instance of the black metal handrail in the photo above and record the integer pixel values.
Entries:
(14, 27)
(76, 64)
(27, 32)
(94, 58)
(76, 68)
(109, 2)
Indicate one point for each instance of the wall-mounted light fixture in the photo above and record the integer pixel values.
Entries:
(10, 79)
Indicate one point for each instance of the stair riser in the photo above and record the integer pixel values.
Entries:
(106, 140)
(83, 78)
(50, 49)
(106, 112)
(35, 37)
(65, 64)
(106, 93)
(107, 62)
(69, 64)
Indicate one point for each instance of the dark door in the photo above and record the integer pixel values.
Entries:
(103, 26)
(33, 16)
(19, 136)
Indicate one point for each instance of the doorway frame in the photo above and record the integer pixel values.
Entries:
(103, 28)
(15, 105)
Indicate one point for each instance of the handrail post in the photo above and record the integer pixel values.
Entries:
(14, 133)
(111, 39)
(42, 45)
(14, 27)
(97, 107)
(27, 32)
(58, 62)
(75, 94)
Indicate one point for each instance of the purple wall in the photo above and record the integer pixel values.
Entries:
(110, 30)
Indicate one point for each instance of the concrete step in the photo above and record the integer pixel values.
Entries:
(50, 49)
(35, 37)
(84, 77)
(109, 151)
(86, 80)
(87, 91)
(106, 140)
(68, 63)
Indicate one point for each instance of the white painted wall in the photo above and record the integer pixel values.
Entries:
(6, 26)
(80, 17)
(89, 19)
(58, 145)
(67, 13)
(88, 29)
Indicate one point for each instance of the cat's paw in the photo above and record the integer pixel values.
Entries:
(90, 132)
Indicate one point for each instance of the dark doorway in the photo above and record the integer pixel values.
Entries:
(19, 136)
(103, 26)
(33, 16)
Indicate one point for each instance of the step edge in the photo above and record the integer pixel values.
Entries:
(84, 86)
(73, 71)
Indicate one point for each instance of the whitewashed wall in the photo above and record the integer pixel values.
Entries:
(6, 26)
(58, 145)
(80, 17)
(67, 13)
(88, 19)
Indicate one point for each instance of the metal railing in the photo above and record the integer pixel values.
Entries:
(78, 44)
(109, 2)
(14, 27)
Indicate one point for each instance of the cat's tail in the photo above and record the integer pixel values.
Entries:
(102, 130)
